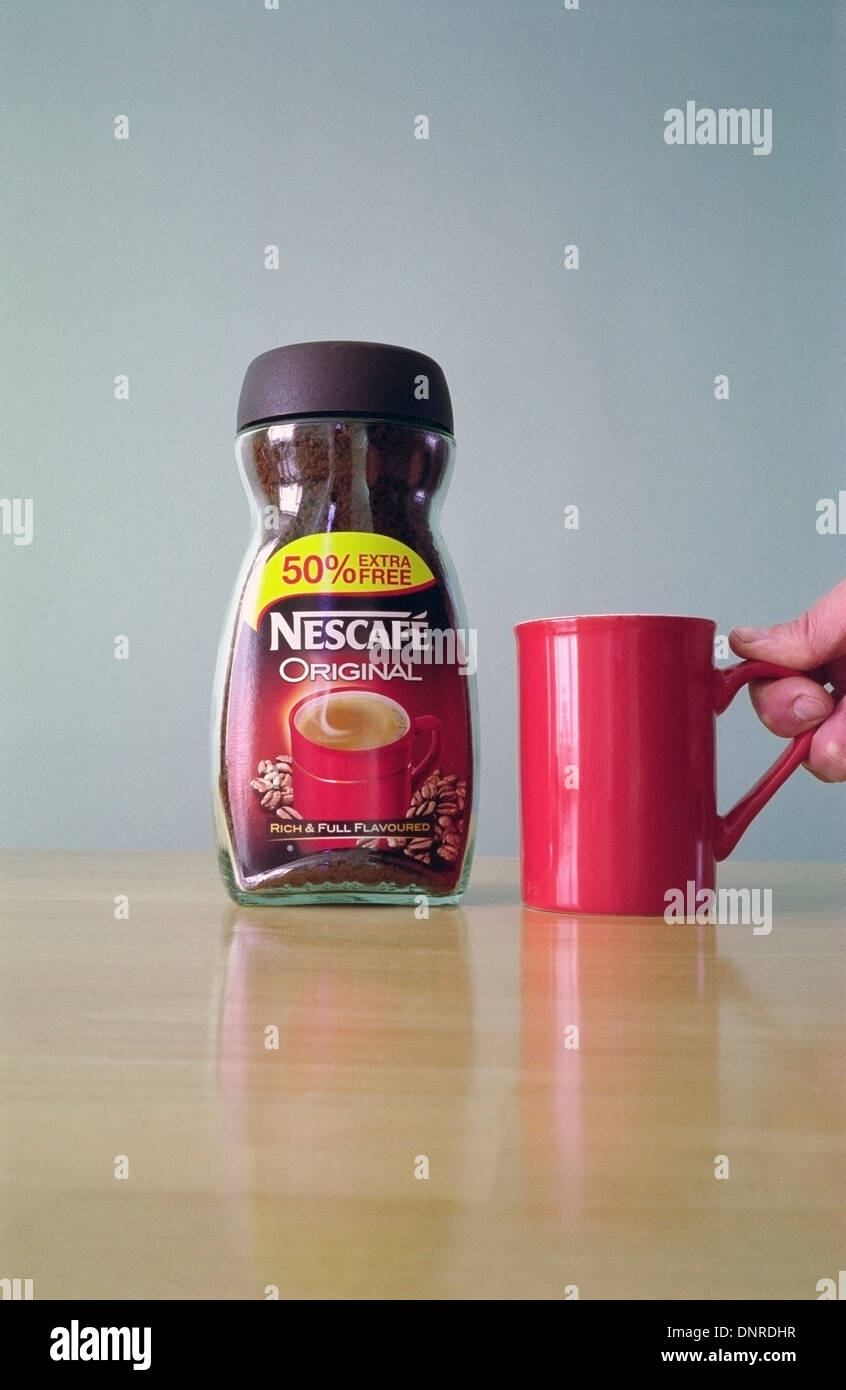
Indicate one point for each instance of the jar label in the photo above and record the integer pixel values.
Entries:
(348, 718)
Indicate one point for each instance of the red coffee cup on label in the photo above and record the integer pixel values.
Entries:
(617, 760)
(352, 752)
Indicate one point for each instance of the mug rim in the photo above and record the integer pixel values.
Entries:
(584, 618)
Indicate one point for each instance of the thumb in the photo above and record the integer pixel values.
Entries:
(815, 638)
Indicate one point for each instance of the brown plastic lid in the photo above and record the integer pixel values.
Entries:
(345, 378)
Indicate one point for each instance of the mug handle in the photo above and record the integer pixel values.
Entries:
(427, 723)
(731, 826)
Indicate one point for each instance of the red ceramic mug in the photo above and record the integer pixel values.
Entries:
(617, 760)
(352, 752)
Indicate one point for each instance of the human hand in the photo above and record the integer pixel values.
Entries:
(814, 642)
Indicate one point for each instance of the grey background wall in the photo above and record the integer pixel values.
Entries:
(251, 126)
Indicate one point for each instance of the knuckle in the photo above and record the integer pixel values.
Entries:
(809, 628)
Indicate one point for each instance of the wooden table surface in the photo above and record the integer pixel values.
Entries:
(254, 1167)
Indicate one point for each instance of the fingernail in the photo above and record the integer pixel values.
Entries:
(806, 707)
(750, 634)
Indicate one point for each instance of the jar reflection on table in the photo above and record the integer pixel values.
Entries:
(344, 1054)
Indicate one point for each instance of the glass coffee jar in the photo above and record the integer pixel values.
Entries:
(344, 706)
